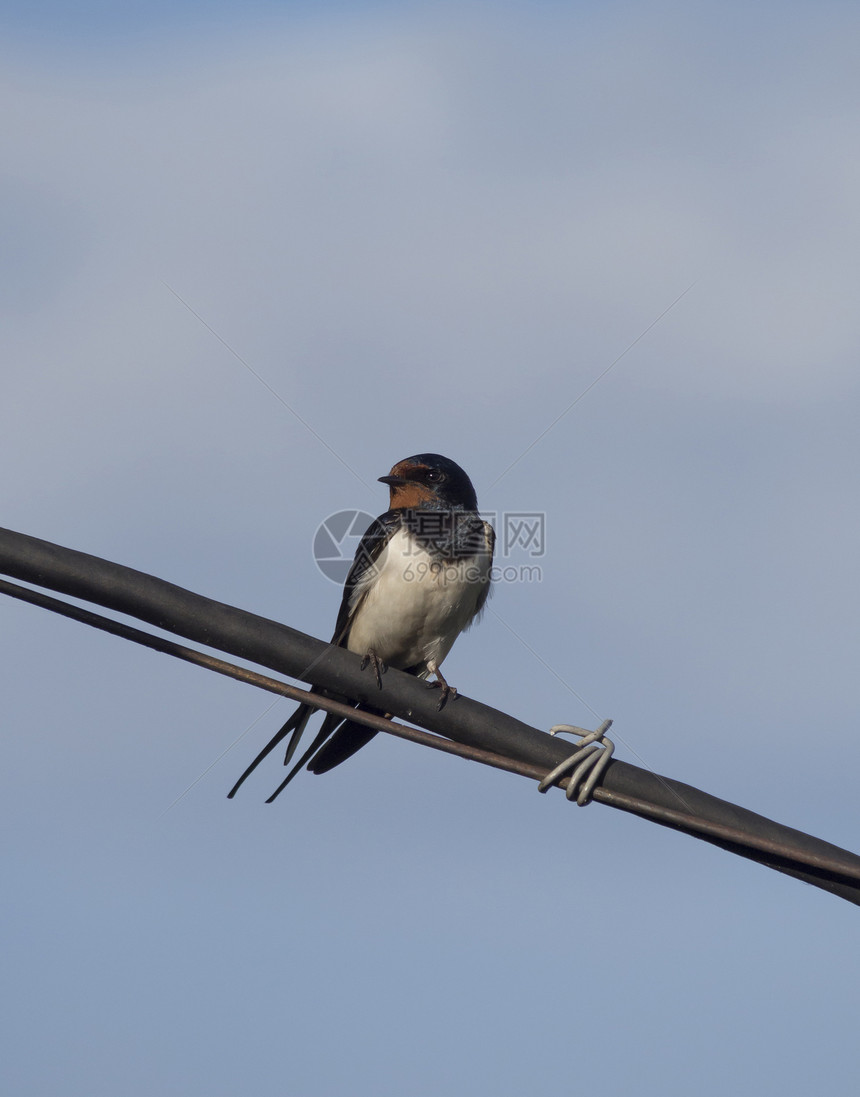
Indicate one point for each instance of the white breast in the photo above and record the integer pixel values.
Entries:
(412, 608)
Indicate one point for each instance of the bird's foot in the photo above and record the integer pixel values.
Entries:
(441, 684)
(587, 762)
(379, 668)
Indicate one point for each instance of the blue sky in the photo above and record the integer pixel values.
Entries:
(433, 228)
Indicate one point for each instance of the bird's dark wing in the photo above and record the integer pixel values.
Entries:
(348, 738)
(358, 580)
(363, 571)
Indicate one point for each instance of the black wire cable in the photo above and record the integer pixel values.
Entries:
(480, 729)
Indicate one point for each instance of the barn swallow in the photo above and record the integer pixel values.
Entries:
(421, 575)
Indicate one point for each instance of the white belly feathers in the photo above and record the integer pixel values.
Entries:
(412, 607)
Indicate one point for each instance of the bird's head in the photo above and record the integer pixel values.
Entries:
(429, 481)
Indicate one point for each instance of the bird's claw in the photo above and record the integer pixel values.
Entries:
(379, 668)
(447, 691)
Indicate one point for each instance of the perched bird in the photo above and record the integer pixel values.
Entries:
(420, 576)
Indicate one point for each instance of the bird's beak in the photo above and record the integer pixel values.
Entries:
(393, 481)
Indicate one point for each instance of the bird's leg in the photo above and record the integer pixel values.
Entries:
(379, 668)
(440, 683)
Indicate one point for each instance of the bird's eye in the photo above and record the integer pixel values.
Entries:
(435, 476)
